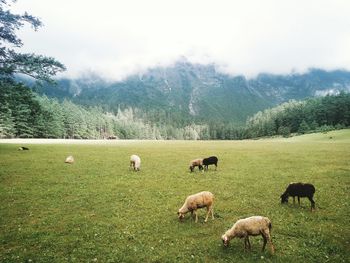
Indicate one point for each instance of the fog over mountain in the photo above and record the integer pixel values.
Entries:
(117, 39)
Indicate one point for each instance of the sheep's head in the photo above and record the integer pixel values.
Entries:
(180, 215)
(225, 240)
(284, 198)
(191, 168)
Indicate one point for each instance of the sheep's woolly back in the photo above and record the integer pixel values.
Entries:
(199, 200)
(69, 159)
(136, 160)
(196, 162)
(301, 188)
(251, 225)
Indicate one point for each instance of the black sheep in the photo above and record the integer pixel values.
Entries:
(210, 160)
(299, 190)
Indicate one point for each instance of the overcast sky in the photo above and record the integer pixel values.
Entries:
(117, 38)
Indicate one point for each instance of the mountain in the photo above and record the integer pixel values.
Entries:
(188, 92)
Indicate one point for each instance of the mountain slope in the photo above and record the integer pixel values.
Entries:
(188, 92)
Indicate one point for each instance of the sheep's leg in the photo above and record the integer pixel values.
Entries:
(206, 218)
(200, 168)
(312, 203)
(265, 241)
(208, 211)
(293, 200)
(271, 245)
(192, 214)
(195, 212)
(245, 242)
(249, 246)
(299, 200)
(267, 238)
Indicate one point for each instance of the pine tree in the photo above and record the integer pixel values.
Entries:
(303, 127)
(7, 125)
(11, 61)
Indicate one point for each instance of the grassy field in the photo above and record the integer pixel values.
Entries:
(96, 210)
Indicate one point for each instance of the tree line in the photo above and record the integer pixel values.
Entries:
(25, 114)
(312, 115)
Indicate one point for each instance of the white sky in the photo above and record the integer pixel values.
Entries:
(116, 38)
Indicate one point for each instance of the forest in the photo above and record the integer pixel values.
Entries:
(26, 114)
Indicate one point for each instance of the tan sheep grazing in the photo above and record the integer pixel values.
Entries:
(251, 226)
(196, 162)
(69, 159)
(135, 162)
(199, 200)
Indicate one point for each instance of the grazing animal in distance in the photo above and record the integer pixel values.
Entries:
(197, 162)
(69, 159)
(299, 190)
(251, 226)
(135, 162)
(209, 161)
(195, 201)
(22, 148)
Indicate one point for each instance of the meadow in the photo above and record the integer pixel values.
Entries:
(97, 210)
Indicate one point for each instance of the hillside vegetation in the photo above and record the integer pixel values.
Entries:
(316, 114)
(25, 114)
(98, 210)
(341, 136)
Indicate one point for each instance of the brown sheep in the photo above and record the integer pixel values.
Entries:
(199, 200)
(197, 162)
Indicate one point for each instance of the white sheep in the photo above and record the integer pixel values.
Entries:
(135, 162)
(69, 159)
(199, 200)
(251, 226)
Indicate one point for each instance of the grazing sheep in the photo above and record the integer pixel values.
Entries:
(22, 148)
(251, 226)
(196, 162)
(299, 190)
(135, 162)
(210, 160)
(199, 200)
(69, 159)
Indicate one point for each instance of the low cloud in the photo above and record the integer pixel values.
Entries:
(119, 38)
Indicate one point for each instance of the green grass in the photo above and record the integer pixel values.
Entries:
(98, 210)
